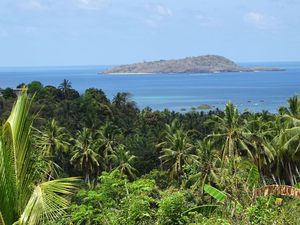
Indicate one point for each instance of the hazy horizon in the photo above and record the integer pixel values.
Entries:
(103, 65)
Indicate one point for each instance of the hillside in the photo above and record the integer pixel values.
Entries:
(200, 64)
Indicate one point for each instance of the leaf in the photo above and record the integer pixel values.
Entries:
(1, 219)
(253, 176)
(16, 165)
(21, 198)
(215, 193)
(203, 209)
(297, 185)
(47, 202)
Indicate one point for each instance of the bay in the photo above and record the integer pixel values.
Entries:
(255, 91)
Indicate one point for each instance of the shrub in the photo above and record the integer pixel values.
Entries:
(171, 207)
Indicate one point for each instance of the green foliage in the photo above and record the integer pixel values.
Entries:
(177, 151)
(215, 193)
(26, 196)
(123, 161)
(171, 207)
(160, 177)
(8, 93)
(144, 166)
(137, 210)
(115, 200)
(34, 87)
(85, 155)
(266, 210)
(202, 209)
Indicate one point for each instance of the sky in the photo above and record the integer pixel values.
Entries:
(109, 32)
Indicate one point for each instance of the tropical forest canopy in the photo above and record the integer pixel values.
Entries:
(70, 158)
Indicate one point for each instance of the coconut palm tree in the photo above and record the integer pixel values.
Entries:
(52, 142)
(52, 139)
(287, 143)
(107, 139)
(229, 132)
(286, 160)
(177, 152)
(25, 196)
(123, 161)
(209, 166)
(121, 99)
(293, 109)
(258, 135)
(65, 87)
(85, 156)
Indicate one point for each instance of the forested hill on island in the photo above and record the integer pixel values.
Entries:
(200, 64)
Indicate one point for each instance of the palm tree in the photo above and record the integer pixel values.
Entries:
(85, 156)
(293, 109)
(52, 142)
(258, 135)
(65, 86)
(208, 168)
(122, 99)
(177, 152)
(107, 138)
(123, 162)
(229, 132)
(173, 127)
(286, 160)
(25, 196)
(287, 143)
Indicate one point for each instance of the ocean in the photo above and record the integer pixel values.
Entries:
(254, 91)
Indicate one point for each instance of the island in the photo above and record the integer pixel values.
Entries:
(199, 64)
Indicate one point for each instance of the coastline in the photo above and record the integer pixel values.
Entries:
(101, 73)
(246, 70)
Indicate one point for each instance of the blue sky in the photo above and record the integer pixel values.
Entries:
(100, 32)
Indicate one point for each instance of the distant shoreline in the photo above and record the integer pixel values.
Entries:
(189, 65)
(212, 73)
(125, 73)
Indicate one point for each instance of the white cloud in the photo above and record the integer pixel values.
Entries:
(163, 11)
(92, 4)
(34, 5)
(157, 14)
(260, 20)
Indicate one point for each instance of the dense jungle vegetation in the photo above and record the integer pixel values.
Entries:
(70, 158)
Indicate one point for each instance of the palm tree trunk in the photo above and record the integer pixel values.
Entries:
(87, 177)
(290, 174)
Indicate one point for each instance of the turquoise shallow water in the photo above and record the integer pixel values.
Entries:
(253, 90)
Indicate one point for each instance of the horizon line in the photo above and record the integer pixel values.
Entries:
(95, 65)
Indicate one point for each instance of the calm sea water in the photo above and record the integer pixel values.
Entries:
(254, 91)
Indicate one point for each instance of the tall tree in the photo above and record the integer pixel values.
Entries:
(293, 109)
(208, 168)
(52, 141)
(85, 155)
(107, 137)
(123, 162)
(176, 152)
(259, 133)
(65, 87)
(286, 160)
(229, 132)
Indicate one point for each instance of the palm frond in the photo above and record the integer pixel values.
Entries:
(48, 202)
